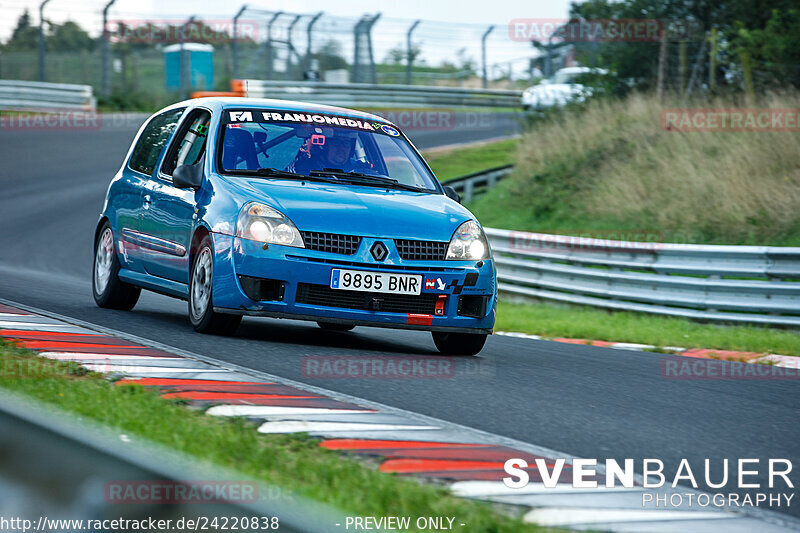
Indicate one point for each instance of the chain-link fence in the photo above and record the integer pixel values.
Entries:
(153, 60)
(147, 56)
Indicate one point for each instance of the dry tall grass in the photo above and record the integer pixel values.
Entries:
(613, 161)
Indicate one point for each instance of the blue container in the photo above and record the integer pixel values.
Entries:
(201, 65)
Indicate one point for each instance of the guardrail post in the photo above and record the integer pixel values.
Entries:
(41, 40)
(469, 190)
(292, 50)
(309, 29)
(368, 30)
(106, 52)
(270, 55)
(362, 35)
(235, 40)
(483, 55)
(184, 65)
(409, 58)
(357, 29)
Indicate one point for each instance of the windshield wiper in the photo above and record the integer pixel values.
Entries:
(269, 172)
(364, 179)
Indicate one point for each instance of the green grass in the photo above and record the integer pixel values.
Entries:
(449, 164)
(550, 320)
(293, 462)
(610, 166)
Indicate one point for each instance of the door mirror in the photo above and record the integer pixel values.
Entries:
(188, 176)
(451, 193)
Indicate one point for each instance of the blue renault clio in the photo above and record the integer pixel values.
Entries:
(291, 210)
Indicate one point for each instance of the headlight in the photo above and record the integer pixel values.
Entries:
(468, 243)
(259, 222)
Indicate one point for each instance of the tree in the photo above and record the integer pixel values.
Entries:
(399, 55)
(465, 61)
(770, 36)
(330, 56)
(69, 37)
(25, 35)
(775, 49)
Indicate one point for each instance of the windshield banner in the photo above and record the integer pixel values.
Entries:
(311, 118)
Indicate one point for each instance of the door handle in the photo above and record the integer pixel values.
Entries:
(147, 201)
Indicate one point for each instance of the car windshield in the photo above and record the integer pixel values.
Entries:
(331, 147)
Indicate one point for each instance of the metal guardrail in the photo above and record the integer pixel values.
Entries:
(56, 465)
(477, 183)
(749, 284)
(380, 95)
(36, 96)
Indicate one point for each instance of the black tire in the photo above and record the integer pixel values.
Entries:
(459, 343)
(332, 326)
(201, 306)
(108, 291)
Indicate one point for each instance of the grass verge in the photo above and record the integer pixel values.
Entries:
(293, 462)
(452, 163)
(611, 166)
(550, 320)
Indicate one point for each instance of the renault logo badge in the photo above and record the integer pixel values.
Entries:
(379, 251)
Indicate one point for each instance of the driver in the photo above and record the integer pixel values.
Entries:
(327, 151)
(339, 152)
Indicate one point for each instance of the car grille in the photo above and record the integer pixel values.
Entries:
(331, 242)
(323, 295)
(421, 250)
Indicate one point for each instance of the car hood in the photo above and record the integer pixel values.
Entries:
(354, 210)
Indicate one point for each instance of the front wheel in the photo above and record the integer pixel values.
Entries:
(107, 289)
(459, 343)
(201, 308)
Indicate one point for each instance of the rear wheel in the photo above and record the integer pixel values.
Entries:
(459, 343)
(201, 307)
(332, 326)
(109, 292)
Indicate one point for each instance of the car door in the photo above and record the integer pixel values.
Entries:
(172, 212)
(129, 205)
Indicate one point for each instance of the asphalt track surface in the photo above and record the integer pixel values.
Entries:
(582, 400)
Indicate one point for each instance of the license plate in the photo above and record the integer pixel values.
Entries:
(362, 280)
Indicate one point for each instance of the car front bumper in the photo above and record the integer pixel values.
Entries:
(449, 283)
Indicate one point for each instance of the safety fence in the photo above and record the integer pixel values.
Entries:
(61, 467)
(373, 95)
(34, 95)
(752, 284)
(477, 183)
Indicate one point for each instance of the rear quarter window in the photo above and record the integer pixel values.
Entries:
(151, 142)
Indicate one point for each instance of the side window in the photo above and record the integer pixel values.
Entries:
(151, 142)
(189, 145)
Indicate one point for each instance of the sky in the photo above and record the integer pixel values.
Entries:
(449, 24)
